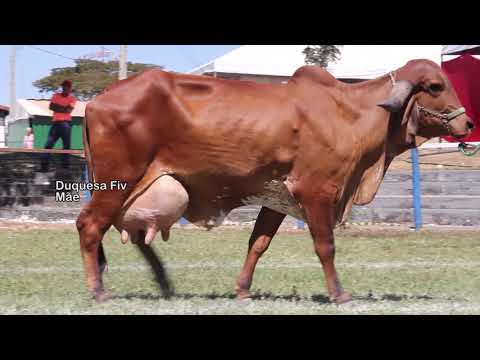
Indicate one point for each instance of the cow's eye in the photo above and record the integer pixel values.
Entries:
(435, 88)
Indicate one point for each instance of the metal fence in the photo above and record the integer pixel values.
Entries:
(450, 197)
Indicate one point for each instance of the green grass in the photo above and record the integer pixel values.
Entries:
(387, 273)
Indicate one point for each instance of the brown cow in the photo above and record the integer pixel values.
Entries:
(310, 148)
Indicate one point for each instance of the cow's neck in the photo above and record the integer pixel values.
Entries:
(371, 126)
(374, 125)
(375, 133)
(371, 92)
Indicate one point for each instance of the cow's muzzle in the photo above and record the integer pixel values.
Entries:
(445, 118)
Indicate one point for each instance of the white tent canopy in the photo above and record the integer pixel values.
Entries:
(371, 61)
(458, 49)
(27, 108)
(356, 62)
(279, 60)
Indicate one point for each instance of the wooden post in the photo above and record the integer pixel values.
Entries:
(122, 62)
(13, 95)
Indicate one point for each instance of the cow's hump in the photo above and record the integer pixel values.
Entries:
(316, 74)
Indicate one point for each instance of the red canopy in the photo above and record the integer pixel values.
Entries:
(464, 74)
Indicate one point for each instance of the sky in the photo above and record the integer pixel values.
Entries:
(33, 64)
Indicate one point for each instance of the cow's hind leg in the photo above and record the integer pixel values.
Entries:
(102, 259)
(92, 223)
(267, 224)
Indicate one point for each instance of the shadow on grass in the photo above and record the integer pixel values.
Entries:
(391, 297)
(318, 298)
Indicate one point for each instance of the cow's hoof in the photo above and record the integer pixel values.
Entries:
(102, 296)
(103, 268)
(343, 298)
(168, 294)
(243, 295)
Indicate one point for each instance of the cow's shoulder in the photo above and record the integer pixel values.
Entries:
(135, 83)
(126, 100)
(316, 74)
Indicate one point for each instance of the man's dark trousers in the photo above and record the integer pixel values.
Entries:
(59, 129)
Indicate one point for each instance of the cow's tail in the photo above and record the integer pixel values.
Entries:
(102, 259)
(86, 148)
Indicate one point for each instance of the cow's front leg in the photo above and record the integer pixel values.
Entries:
(267, 224)
(320, 216)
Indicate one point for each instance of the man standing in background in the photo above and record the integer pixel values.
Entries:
(62, 105)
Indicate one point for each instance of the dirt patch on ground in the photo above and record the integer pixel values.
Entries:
(28, 226)
(387, 229)
(348, 229)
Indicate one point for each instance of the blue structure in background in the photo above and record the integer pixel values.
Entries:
(300, 225)
(87, 196)
(417, 201)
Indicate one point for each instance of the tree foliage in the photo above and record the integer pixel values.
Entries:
(89, 77)
(321, 55)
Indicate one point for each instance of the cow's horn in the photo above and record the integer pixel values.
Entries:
(399, 95)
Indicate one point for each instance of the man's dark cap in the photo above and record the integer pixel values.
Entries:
(67, 83)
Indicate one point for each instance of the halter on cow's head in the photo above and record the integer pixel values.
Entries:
(427, 102)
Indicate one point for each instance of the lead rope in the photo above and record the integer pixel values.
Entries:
(463, 147)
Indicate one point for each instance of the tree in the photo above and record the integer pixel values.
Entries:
(89, 77)
(321, 55)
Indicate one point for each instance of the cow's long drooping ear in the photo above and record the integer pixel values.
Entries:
(400, 93)
(410, 121)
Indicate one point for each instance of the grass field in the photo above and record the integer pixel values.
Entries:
(387, 272)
